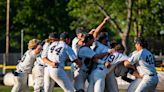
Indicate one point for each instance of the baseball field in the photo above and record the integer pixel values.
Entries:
(56, 89)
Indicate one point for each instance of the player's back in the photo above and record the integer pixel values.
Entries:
(59, 52)
(146, 62)
(27, 61)
(75, 45)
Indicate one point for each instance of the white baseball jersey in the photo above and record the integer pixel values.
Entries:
(27, 61)
(144, 61)
(23, 68)
(75, 45)
(45, 50)
(116, 58)
(59, 52)
(85, 54)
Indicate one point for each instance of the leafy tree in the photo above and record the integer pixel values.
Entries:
(36, 17)
(2, 24)
(128, 17)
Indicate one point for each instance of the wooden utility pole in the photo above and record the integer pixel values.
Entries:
(22, 34)
(7, 36)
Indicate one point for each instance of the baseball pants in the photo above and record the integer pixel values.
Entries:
(20, 83)
(48, 82)
(38, 77)
(147, 84)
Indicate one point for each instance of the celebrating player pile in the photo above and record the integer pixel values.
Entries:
(94, 60)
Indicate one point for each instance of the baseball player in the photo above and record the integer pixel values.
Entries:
(25, 65)
(120, 69)
(97, 77)
(48, 82)
(87, 57)
(144, 62)
(58, 52)
(80, 33)
(100, 46)
(97, 82)
(38, 74)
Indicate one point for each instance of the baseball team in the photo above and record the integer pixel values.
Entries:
(94, 60)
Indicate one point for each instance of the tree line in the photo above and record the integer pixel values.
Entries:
(128, 19)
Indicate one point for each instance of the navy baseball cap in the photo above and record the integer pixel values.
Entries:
(88, 37)
(80, 30)
(102, 35)
(53, 35)
(64, 35)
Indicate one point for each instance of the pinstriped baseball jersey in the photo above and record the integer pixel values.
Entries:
(27, 61)
(39, 61)
(118, 58)
(59, 52)
(45, 49)
(144, 61)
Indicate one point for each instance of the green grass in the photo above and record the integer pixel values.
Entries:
(8, 89)
(56, 89)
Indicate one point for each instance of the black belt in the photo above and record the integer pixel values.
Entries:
(41, 65)
(152, 74)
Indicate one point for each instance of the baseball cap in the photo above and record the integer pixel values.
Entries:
(64, 35)
(102, 35)
(53, 35)
(141, 41)
(80, 30)
(88, 37)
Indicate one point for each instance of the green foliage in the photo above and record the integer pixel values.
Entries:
(36, 17)
(148, 15)
(40, 17)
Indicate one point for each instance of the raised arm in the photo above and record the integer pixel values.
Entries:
(98, 29)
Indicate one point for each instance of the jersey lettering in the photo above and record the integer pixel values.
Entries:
(149, 59)
(111, 57)
(57, 50)
(52, 48)
(23, 58)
